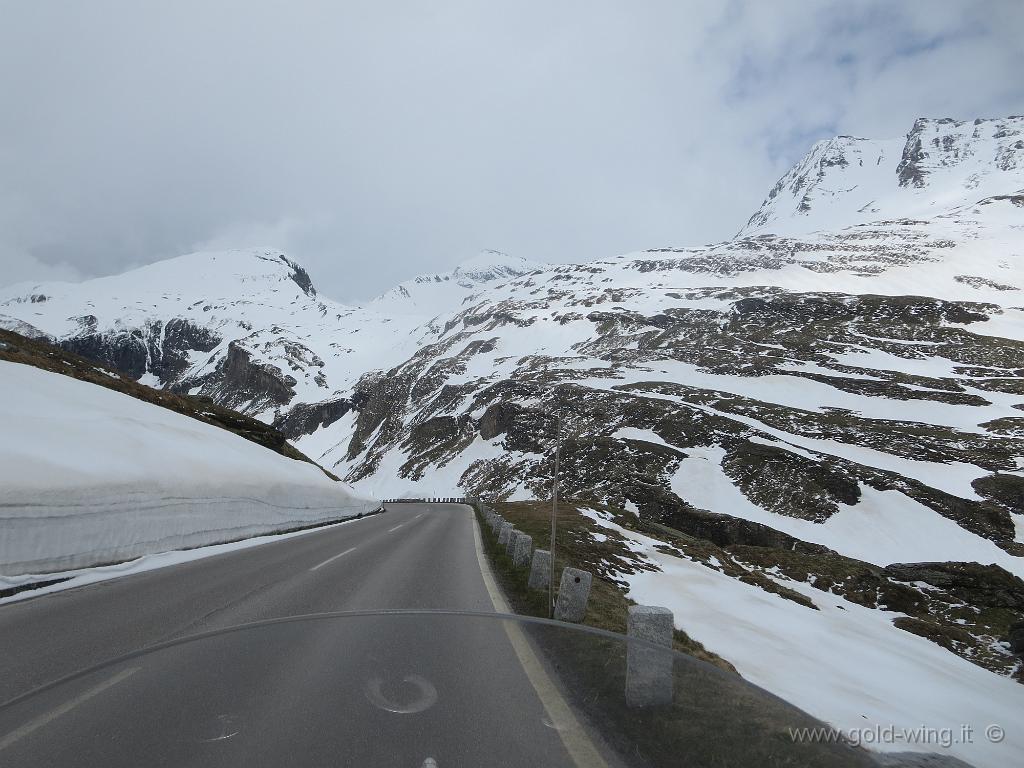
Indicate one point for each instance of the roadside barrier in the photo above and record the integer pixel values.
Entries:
(522, 548)
(573, 593)
(649, 680)
(649, 670)
(540, 569)
(510, 545)
(433, 500)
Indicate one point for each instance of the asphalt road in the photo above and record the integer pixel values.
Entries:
(366, 691)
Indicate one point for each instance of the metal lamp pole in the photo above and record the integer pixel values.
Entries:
(554, 516)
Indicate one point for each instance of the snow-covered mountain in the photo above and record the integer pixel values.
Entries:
(834, 393)
(940, 166)
(247, 328)
(427, 296)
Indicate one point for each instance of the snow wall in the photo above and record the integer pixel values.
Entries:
(91, 476)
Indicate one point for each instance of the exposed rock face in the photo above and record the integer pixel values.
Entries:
(728, 531)
(127, 351)
(160, 349)
(985, 586)
(246, 385)
(307, 418)
(300, 276)
(933, 145)
(1005, 490)
(1016, 637)
(788, 483)
(525, 428)
(909, 171)
(163, 350)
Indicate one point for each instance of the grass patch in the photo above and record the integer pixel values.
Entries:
(575, 547)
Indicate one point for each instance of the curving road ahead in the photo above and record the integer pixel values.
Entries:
(389, 691)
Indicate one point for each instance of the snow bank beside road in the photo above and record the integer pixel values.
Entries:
(843, 663)
(89, 476)
(82, 576)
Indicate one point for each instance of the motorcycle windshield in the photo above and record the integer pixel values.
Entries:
(411, 689)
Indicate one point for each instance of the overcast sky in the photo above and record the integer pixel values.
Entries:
(375, 141)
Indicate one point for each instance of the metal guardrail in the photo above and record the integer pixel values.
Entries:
(432, 500)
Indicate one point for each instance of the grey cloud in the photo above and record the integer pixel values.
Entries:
(376, 140)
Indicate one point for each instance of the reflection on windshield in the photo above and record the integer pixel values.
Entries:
(407, 688)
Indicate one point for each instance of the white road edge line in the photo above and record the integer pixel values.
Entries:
(67, 706)
(577, 743)
(332, 559)
(392, 530)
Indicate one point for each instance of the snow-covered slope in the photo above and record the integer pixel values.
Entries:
(884, 688)
(834, 393)
(245, 327)
(427, 296)
(89, 475)
(940, 165)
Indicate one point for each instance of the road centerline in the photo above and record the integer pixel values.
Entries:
(332, 559)
(392, 530)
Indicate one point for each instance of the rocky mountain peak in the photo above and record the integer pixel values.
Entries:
(935, 144)
(825, 176)
(940, 165)
(300, 276)
(489, 265)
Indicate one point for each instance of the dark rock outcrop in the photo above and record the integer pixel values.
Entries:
(1017, 638)
(909, 171)
(240, 382)
(156, 348)
(529, 430)
(1005, 490)
(307, 418)
(727, 531)
(983, 586)
(785, 482)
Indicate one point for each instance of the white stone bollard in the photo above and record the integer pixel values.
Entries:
(504, 533)
(540, 569)
(511, 543)
(573, 592)
(649, 670)
(497, 522)
(522, 550)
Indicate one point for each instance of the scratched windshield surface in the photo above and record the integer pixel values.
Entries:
(409, 689)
